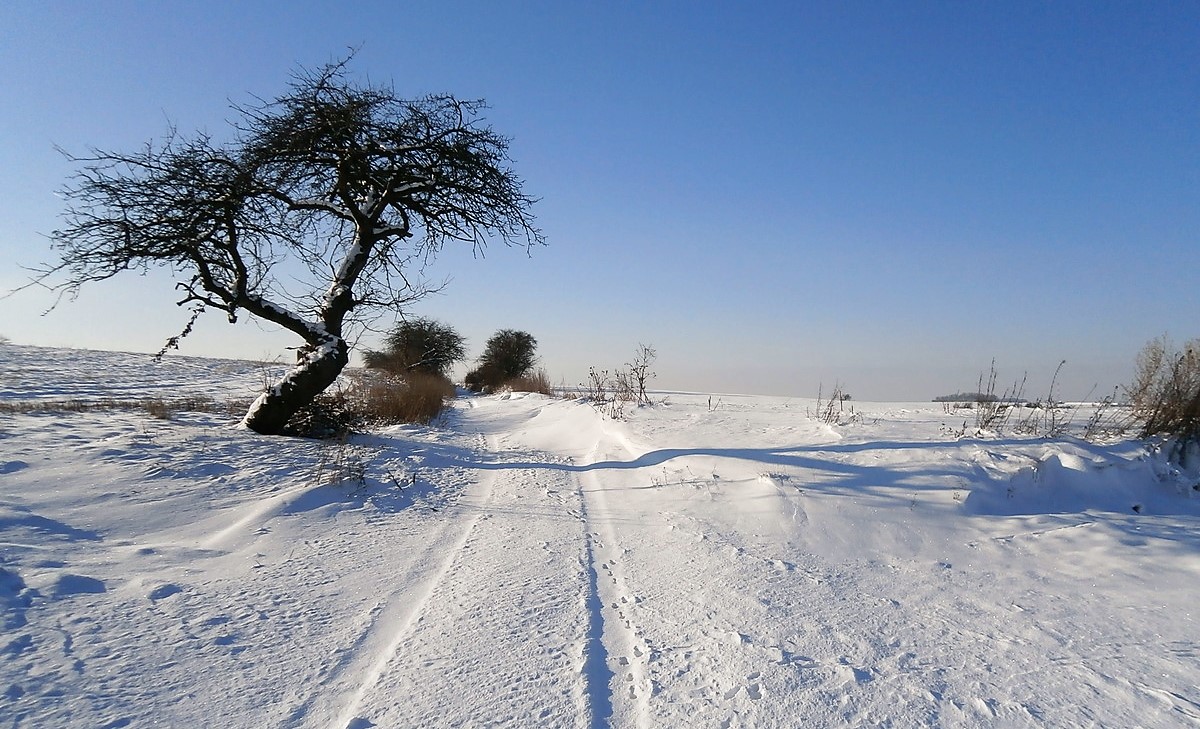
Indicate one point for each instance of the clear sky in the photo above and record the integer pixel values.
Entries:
(774, 195)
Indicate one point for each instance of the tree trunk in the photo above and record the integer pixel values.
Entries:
(320, 367)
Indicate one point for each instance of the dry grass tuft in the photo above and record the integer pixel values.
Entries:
(536, 381)
(155, 407)
(415, 398)
(1165, 393)
(370, 399)
(361, 401)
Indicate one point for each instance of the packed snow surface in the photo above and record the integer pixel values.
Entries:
(525, 561)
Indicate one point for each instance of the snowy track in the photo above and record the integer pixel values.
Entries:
(528, 562)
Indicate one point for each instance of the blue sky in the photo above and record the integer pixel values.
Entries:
(774, 195)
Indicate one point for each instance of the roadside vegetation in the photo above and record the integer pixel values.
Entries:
(611, 393)
(409, 381)
(508, 357)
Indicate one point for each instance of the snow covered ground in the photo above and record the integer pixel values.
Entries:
(528, 562)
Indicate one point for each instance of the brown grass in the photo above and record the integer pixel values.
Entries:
(363, 400)
(536, 381)
(415, 398)
(155, 407)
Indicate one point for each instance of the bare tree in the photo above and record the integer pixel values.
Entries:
(346, 182)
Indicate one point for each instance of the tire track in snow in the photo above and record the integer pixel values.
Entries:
(500, 639)
(390, 622)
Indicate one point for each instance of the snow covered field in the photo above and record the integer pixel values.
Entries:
(527, 562)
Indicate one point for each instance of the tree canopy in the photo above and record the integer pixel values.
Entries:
(509, 354)
(419, 345)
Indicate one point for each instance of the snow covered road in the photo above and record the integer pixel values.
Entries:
(528, 562)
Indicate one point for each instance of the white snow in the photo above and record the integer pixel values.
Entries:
(528, 562)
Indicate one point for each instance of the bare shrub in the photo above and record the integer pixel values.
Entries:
(342, 464)
(639, 372)
(992, 411)
(610, 393)
(1046, 418)
(326, 416)
(833, 411)
(1165, 392)
(598, 388)
(160, 409)
(623, 387)
(1108, 420)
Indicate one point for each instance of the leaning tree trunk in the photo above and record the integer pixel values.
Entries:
(319, 368)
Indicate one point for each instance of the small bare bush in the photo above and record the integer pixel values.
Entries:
(610, 393)
(342, 464)
(598, 388)
(834, 410)
(639, 373)
(1046, 418)
(1165, 392)
(624, 389)
(1108, 420)
(992, 411)
(160, 409)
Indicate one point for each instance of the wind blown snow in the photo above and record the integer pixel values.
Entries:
(526, 561)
